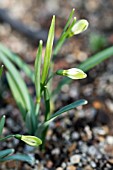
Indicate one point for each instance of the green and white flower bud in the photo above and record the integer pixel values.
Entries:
(73, 73)
(30, 140)
(79, 27)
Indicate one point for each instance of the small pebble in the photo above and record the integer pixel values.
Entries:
(71, 167)
(55, 151)
(99, 131)
(93, 164)
(74, 92)
(75, 159)
(59, 168)
(110, 161)
(49, 164)
(63, 165)
(83, 148)
(72, 147)
(92, 151)
(88, 167)
(75, 135)
(109, 140)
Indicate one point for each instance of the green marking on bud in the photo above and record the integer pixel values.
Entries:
(73, 73)
(79, 27)
(30, 140)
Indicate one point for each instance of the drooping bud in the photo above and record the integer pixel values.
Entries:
(30, 140)
(73, 73)
(79, 27)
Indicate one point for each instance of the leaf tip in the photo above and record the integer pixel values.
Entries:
(85, 102)
(40, 42)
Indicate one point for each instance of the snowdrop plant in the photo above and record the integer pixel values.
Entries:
(41, 77)
(8, 154)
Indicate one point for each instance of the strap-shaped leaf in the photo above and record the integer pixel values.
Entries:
(37, 71)
(65, 109)
(18, 61)
(6, 152)
(47, 103)
(1, 70)
(18, 96)
(96, 59)
(18, 84)
(48, 51)
(63, 36)
(2, 122)
(69, 20)
(19, 157)
(31, 122)
(30, 117)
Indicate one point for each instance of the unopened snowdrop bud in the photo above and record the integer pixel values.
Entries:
(79, 27)
(73, 73)
(30, 140)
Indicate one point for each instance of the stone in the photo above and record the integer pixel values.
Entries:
(72, 147)
(109, 140)
(63, 165)
(99, 131)
(55, 151)
(75, 159)
(71, 167)
(110, 161)
(49, 164)
(88, 167)
(93, 164)
(59, 168)
(92, 151)
(75, 135)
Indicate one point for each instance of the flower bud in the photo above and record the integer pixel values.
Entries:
(79, 27)
(73, 73)
(30, 140)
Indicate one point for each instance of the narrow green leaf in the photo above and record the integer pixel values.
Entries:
(6, 152)
(65, 109)
(69, 20)
(19, 84)
(96, 59)
(18, 61)
(37, 71)
(1, 70)
(2, 122)
(59, 44)
(47, 103)
(18, 96)
(68, 107)
(20, 157)
(48, 52)
(64, 34)
(28, 123)
(31, 122)
(5, 138)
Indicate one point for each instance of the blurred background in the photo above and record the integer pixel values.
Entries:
(24, 23)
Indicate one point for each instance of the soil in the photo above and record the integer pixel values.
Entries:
(81, 139)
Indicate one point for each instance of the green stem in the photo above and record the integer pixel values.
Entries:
(59, 44)
(42, 147)
(7, 137)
